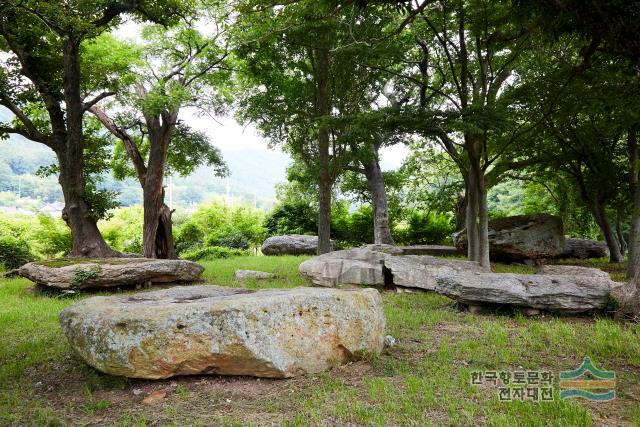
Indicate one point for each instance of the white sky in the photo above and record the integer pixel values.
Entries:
(226, 134)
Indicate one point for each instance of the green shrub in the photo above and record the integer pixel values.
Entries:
(292, 218)
(425, 229)
(213, 252)
(232, 240)
(14, 252)
(52, 237)
(188, 237)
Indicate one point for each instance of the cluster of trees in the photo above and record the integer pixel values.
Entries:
(499, 87)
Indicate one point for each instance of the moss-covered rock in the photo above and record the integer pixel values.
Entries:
(79, 273)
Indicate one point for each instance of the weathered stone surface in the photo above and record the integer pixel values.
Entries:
(375, 265)
(414, 271)
(292, 244)
(109, 272)
(433, 250)
(559, 293)
(584, 249)
(360, 266)
(520, 238)
(572, 270)
(250, 274)
(274, 333)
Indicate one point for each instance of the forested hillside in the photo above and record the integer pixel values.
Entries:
(253, 176)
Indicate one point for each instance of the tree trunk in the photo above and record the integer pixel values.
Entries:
(87, 240)
(375, 181)
(602, 219)
(483, 224)
(157, 236)
(325, 180)
(633, 266)
(473, 245)
(619, 233)
(461, 211)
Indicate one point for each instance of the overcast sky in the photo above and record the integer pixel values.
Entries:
(226, 134)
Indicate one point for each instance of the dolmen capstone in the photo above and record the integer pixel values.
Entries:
(80, 273)
(584, 249)
(521, 238)
(291, 244)
(272, 333)
(558, 289)
(381, 265)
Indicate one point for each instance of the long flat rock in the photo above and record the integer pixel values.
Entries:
(558, 293)
(274, 333)
(109, 272)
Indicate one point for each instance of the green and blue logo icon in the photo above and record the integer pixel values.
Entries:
(588, 382)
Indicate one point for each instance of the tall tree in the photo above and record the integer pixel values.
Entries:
(180, 68)
(299, 76)
(43, 85)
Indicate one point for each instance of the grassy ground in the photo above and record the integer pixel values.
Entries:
(424, 380)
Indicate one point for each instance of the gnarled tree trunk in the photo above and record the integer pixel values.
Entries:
(602, 219)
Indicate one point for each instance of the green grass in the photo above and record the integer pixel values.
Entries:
(424, 380)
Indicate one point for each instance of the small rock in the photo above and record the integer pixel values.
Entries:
(390, 341)
(530, 312)
(154, 397)
(250, 274)
(475, 309)
(137, 392)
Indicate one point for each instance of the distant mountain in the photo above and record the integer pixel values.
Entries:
(254, 175)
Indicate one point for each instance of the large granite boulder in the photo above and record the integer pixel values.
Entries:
(520, 238)
(557, 293)
(109, 272)
(274, 333)
(377, 265)
(292, 244)
(584, 249)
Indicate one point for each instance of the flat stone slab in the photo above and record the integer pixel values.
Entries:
(557, 293)
(573, 270)
(273, 333)
(250, 274)
(291, 244)
(109, 272)
(433, 250)
(584, 249)
(377, 265)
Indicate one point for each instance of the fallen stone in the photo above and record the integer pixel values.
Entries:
(250, 274)
(359, 266)
(564, 294)
(520, 238)
(414, 271)
(273, 333)
(573, 270)
(433, 250)
(377, 265)
(110, 272)
(293, 244)
(584, 249)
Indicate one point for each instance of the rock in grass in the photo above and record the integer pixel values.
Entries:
(274, 333)
(375, 265)
(557, 293)
(250, 274)
(292, 244)
(109, 272)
